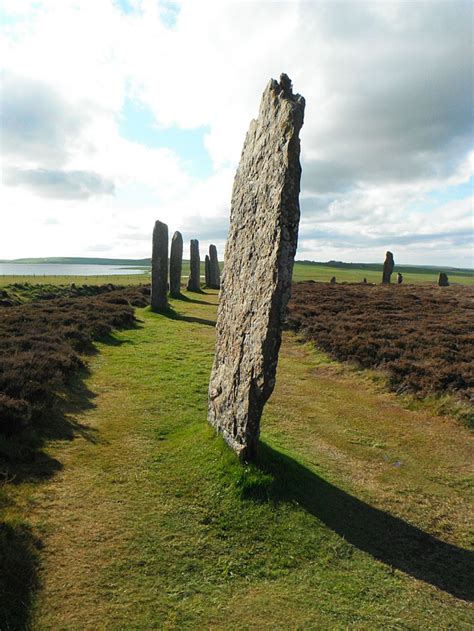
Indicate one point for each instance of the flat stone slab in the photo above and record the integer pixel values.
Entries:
(256, 282)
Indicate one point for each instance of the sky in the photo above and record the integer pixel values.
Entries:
(116, 113)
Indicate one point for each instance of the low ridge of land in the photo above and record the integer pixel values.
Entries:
(333, 265)
(79, 260)
(303, 271)
(356, 515)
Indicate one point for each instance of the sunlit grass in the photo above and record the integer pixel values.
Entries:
(154, 524)
(324, 273)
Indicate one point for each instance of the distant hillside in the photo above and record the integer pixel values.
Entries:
(369, 267)
(405, 269)
(78, 260)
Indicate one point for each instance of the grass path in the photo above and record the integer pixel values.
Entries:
(357, 517)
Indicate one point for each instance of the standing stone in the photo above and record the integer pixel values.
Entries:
(399, 278)
(207, 271)
(388, 266)
(176, 264)
(159, 267)
(333, 280)
(214, 271)
(443, 280)
(194, 280)
(256, 283)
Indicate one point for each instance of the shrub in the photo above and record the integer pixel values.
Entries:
(422, 336)
(41, 342)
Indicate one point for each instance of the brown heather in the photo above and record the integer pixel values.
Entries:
(41, 343)
(421, 335)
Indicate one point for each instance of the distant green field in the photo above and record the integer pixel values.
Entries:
(129, 279)
(356, 274)
(302, 271)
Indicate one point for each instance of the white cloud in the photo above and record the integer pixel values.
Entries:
(387, 119)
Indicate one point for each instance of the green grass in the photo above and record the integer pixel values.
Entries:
(119, 279)
(324, 273)
(356, 517)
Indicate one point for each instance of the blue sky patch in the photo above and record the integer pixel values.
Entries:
(170, 13)
(138, 125)
(169, 10)
(6, 19)
(125, 6)
(440, 197)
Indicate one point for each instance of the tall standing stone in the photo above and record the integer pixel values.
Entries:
(443, 279)
(194, 280)
(176, 264)
(388, 266)
(159, 267)
(256, 283)
(214, 271)
(207, 271)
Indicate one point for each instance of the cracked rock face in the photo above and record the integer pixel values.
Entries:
(159, 267)
(194, 280)
(388, 266)
(176, 263)
(256, 283)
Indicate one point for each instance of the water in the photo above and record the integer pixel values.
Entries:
(66, 269)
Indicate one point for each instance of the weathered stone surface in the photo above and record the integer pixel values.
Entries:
(388, 266)
(443, 280)
(159, 267)
(399, 278)
(207, 271)
(256, 283)
(176, 264)
(214, 271)
(194, 280)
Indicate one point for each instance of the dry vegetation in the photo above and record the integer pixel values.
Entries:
(41, 342)
(146, 521)
(421, 335)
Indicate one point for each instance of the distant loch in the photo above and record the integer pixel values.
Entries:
(66, 269)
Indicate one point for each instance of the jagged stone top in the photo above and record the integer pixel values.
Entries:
(284, 87)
